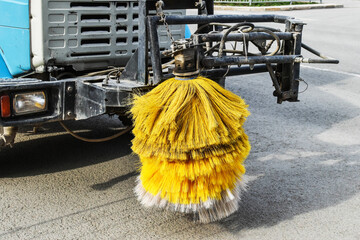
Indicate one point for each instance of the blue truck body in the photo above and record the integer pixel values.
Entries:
(14, 38)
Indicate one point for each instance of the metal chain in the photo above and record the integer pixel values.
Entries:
(160, 13)
(168, 30)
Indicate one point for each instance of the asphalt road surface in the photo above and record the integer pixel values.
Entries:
(304, 166)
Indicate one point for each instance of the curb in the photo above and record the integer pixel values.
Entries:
(279, 8)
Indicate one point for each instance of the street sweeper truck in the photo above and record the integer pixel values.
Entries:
(77, 59)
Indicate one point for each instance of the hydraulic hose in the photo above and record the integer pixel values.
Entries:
(97, 140)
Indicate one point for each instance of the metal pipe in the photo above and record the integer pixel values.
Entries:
(248, 36)
(210, 62)
(195, 19)
(142, 52)
(294, 85)
(155, 49)
(234, 71)
(313, 51)
(311, 60)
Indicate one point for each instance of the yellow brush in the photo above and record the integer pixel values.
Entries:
(190, 140)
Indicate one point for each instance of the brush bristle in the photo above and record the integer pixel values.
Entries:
(208, 211)
(192, 146)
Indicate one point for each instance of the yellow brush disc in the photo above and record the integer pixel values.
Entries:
(190, 139)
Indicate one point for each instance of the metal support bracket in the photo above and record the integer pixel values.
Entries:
(131, 71)
(90, 100)
(69, 92)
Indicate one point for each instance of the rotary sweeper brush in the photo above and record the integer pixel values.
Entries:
(188, 129)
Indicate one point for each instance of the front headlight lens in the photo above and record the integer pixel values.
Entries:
(31, 102)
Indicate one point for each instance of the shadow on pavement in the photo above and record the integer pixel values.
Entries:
(112, 182)
(47, 154)
(296, 165)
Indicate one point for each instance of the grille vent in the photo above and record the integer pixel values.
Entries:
(94, 34)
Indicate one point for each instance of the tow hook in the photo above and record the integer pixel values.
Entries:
(7, 136)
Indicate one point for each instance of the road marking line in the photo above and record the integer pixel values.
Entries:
(334, 71)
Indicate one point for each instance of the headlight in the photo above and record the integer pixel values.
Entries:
(31, 102)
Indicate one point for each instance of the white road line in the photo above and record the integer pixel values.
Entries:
(331, 70)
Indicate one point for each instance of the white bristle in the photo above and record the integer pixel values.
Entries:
(208, 211)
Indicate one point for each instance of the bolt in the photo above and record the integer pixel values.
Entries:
(69, 89)
(69, 113)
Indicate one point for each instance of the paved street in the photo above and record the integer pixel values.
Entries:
(304, 167)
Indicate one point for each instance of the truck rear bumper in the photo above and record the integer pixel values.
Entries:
(74, 98)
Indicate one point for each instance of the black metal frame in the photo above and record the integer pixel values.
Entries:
(285, 79)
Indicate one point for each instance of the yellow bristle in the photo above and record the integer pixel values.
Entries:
(190, 139)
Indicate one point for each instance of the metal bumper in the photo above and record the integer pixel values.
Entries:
(74, 98)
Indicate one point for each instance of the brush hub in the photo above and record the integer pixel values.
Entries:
(186, 63)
